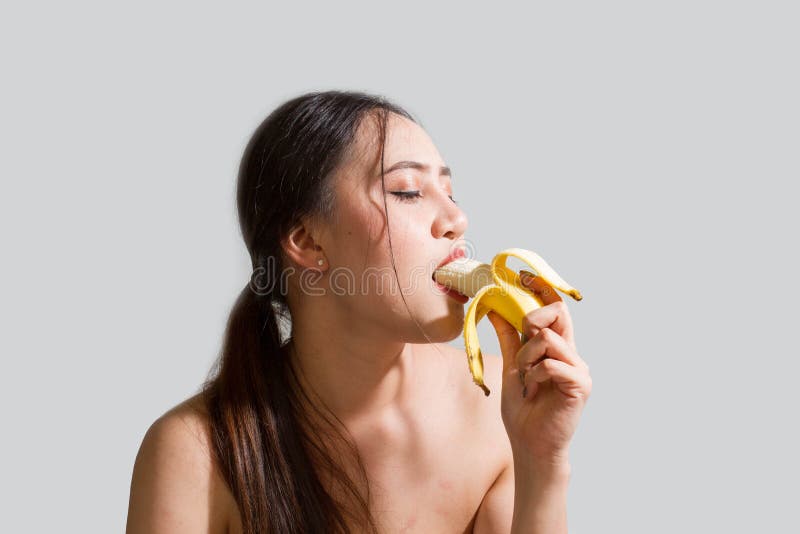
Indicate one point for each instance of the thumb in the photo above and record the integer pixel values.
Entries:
(509, 340)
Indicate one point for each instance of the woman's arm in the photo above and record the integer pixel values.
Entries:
(540, 500)
(546, 384)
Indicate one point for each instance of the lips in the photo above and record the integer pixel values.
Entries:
(454, 254)
(452, 293)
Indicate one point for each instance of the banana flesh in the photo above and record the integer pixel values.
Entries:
(495, 287)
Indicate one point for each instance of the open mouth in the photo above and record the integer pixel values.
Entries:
(452, 293)
(454, 255)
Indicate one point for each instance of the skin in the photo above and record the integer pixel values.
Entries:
(541, 411)
(366, 372)
(439, 455)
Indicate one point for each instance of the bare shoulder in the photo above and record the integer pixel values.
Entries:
(493, 378)
(486, 428)
(492, 375)
(482, 412)
(174, 476)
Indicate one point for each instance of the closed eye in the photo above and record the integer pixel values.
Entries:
(411, 196)
(407, 196)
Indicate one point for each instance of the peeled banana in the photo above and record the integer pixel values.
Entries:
(495, 287)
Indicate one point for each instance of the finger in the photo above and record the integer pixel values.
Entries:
(554, 316)
(538, 286)
(571, 380)
(508, 337)
(548, 344)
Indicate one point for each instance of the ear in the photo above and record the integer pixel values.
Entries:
(301, 248)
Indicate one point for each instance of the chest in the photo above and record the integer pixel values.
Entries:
(443, 497)
(431, 480)
(429, 469)
(428, 474)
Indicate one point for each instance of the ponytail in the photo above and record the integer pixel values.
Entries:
(258, 440)
(273, 445)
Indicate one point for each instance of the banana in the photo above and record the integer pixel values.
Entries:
(495, 287)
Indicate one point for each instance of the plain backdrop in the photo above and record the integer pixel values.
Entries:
(647, 150)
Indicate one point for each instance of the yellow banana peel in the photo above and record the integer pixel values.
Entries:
(495, 287)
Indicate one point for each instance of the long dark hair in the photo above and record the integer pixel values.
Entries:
(267, 445)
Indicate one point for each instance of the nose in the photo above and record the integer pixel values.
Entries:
(450, 221)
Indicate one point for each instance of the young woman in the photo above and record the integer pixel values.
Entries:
(337, 405)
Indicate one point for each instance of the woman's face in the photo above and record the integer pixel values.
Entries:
(425, 225)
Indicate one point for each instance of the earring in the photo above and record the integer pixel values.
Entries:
(320, 261)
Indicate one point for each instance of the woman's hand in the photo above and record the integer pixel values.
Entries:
(549, 370)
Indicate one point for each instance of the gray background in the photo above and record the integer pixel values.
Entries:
(644, 149)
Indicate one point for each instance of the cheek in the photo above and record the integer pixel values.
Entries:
(362, 241)
(358, 241)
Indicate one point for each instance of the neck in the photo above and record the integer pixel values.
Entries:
(357, 373)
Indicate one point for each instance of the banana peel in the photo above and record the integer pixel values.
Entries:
(495, 287)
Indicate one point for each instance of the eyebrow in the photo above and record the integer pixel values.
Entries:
(443, 170)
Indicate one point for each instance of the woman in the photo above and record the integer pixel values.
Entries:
(362, 419)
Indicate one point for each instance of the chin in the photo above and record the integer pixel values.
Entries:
(441, 318)
(443, 328)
